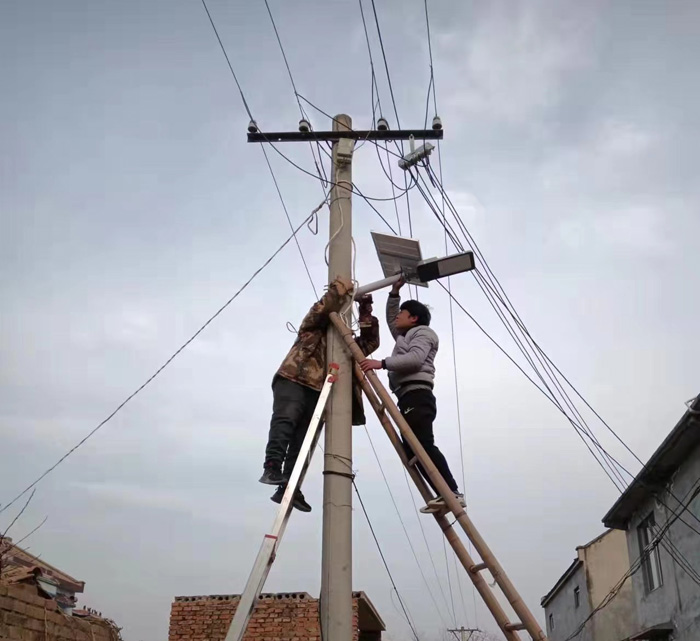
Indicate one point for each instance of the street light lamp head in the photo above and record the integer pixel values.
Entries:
(435, 268)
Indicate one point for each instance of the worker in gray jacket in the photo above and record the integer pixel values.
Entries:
(411, 369)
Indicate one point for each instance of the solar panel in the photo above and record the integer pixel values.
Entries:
(397, 255)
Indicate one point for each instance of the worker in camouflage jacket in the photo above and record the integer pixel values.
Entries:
(297, 384)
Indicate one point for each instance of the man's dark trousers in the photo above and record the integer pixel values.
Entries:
(419, 409)
(293, 406)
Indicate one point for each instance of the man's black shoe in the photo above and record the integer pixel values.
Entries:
(299, 501)
(271, 476)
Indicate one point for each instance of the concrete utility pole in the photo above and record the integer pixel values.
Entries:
(336, 572)
(336, 568)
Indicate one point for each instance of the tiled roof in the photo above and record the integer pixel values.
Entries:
(19, 565)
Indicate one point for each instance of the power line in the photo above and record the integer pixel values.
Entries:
(449, 581)
(386, 565)
(396, 113)
(267, 159)
(321, 170)
(289, 220)
(425, 540)
(223, 49)
(386, 64)
(431, 84)
(634, 567)
(493, 340)
(153, 376)
(405, 530)
(606, 461)
(549, 366)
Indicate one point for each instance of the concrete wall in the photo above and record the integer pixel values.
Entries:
(678, 599)
(567, 617)
(606, 561)
(25, 616)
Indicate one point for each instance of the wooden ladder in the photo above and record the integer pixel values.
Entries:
(392, 420)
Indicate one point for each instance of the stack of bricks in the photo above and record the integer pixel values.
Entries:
(26, 616)
(277, 617)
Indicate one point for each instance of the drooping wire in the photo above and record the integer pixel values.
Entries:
(386, 64)
(289, 220)
(636, 565)
(550, 369)
(267, 159)
(583, 432)
(386, 565)
(155, 374)
(480, 327)
(608, 463)
(230, 66)
(449, 581)
(405, 530)
(425, 540)
(321, 170)
(396, 113)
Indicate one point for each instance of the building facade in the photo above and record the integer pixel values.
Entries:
(568, 605)
(659, 514)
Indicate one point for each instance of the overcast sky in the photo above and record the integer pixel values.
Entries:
(132, 207)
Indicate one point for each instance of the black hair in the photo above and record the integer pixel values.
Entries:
(415, 308)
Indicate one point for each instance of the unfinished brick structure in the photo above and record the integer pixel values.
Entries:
(285, 616)
(27, 616)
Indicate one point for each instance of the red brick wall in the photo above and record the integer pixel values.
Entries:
(25, 616)
(277, 617)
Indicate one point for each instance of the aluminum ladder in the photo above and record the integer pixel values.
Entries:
(271, 541)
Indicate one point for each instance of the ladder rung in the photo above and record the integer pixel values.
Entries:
(412, 461)
(478, 568)
(514, 627)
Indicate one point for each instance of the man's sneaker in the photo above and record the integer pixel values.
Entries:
(300, 503)
(299, 500)
(272, 476)
(438, 504)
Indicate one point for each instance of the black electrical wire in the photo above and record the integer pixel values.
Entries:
(405, 531)
(267, 159)
(223, 49)
(386, 565)
(539, 352)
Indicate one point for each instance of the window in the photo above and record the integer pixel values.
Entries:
(551, 623)
(651, 563)
(577, 596)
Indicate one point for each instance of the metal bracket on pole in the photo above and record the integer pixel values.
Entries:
(416, 155)
(377, 284)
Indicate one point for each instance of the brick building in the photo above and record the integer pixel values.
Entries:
(38, 602)
(277, 617)
(27, 615)
(19, 567)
